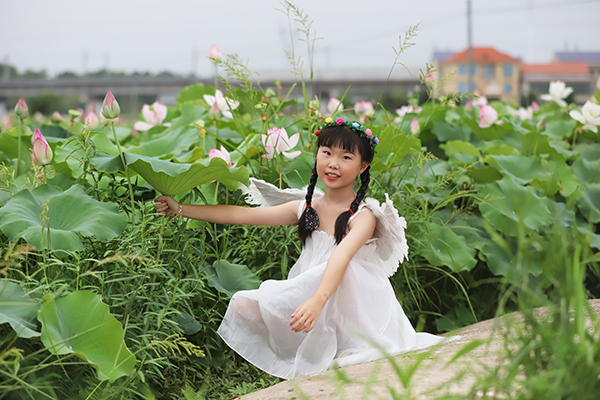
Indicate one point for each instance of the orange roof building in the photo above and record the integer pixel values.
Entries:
(495, 75)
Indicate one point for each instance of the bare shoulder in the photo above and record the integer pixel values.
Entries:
(364, 221)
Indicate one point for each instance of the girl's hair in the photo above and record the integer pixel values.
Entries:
(347, 139)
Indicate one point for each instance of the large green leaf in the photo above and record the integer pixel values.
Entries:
(71, 213)
(80, 323)
(461, 152)
(589, 204)
(172, 179)
(230, 278)
(559, 129)
(449, 249)
(522, 169)
(170, 142)
(446, 132)
(18, 309)
(509, 204)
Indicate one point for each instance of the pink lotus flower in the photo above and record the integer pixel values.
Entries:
(488, 116)
(363, 108)
(91, 119)
(415, 128)
(21, 110)
(276, 141)
(5, 123)
(220, 104)
(478, 102)
(535, 106)
(333, 105)
(41, 152)
(402, 111)
(110, 107)
(524, 113)
(153, 114)
(557, 93)
(223, 153)
(589, 116)
(214, 52)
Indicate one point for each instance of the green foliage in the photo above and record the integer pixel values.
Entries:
(18, 309)
(80, 323)
(49, 218)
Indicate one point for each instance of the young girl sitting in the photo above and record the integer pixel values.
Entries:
(337, 306)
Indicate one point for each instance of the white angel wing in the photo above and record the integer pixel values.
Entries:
(265, 194)
(392, 248)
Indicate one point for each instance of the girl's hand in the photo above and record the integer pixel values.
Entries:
(166, 205)
(306, 315)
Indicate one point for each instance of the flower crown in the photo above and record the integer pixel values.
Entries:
(355, 126)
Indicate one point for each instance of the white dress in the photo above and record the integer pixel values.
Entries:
(361, 322)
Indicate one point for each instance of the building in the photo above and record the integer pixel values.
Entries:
(495, 75)
(591, 59)
(536, 79)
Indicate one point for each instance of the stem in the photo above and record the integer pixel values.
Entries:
(44, 173)
(216, 76)
(112, 123)
(20, 128)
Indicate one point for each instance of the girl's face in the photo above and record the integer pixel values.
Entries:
(337, 167)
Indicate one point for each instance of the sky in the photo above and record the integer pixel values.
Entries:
(156, 35)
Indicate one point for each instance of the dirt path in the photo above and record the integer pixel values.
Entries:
(431, 377)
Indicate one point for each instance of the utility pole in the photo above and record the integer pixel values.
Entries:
(469, 48)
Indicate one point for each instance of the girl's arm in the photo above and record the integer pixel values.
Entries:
(284, 214)
(361, 230)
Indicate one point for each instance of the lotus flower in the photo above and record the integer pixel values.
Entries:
(402, 111)
(415, 128)
(110, 106)
(41, 152)
(21, 110)
(535, 106)
(589, 116)
(220, 104)
(478, 102)
(488, 116)
(557, 93)
(223, 153)
(363, 109)
(276, 141)
(524, 113)
(334, 104)
(5, 123)
(153, 114)
(214, 52)
(91, 119)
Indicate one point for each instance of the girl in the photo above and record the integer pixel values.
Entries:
(337, 306)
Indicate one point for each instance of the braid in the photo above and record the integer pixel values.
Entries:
(341, 222)
(309, 220)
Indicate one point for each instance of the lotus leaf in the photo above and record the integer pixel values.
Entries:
(230, 278)
(509, 205)
(589, 204)
(18, 309)
(80, 323)
(559, 129)
(446, 132)
(71, 213)
(172, 179)
(449, 249)
(522, 169)
(171, 142)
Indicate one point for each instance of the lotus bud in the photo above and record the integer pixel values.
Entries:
(56, 117)
(415, 128)
(92, 120)
(21, 110)
(110, 106)
(541, 126)
(214, 52)
(41, 152)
